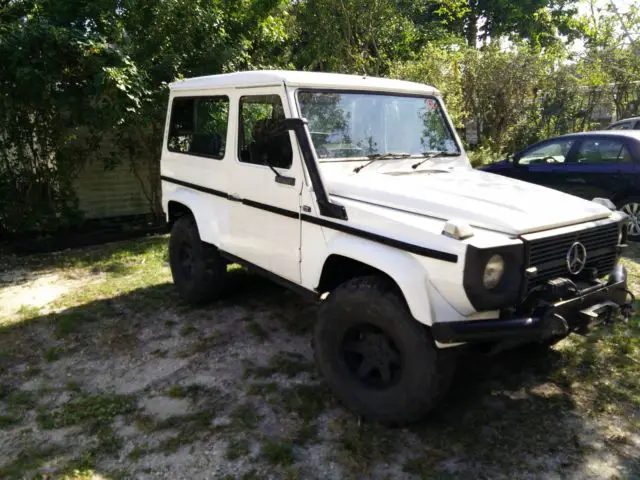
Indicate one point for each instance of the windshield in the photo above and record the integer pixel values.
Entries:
(347, 125)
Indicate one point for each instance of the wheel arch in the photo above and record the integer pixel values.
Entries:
(182, 201)
(351, 260)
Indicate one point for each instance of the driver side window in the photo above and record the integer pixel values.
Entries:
(263, 140)
(552, 152)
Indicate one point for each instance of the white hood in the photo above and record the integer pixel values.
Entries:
(482, 199)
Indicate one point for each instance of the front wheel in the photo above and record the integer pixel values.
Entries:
(631, 206)
(377, 359)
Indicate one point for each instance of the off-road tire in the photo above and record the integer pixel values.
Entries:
(425, 372)
(206, 279)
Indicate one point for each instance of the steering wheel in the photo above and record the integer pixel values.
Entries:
(549, 159)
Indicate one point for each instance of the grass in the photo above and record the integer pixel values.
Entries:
(52, 354)
(7, 421)
(88, 409)
(277, 452)
(245, 417)
(190, 428)
(307, 401)
(25, 461)
(288, 364)
(536, 407)
(237, 448)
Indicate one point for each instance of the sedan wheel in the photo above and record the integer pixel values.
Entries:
(633, 210)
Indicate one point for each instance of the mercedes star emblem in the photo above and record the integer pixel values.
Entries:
(576, 258)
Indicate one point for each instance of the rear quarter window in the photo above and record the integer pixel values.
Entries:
(199, 126)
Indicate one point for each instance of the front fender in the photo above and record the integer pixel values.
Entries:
(403, 267)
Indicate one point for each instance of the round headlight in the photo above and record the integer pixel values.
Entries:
(493, 272)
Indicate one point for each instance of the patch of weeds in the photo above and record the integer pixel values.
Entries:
(138, 452)
(251, 475)
(298, 321)
(85, 462)
(52, 354)
(190, 428)
(145, 423)
(257, 330)
(263, 389)
(27, 312)
(245, 417)
(307, 433)
(7, 421)
(194, 392)
(31, 371)
(291, 473)
(73, 386)
(277, 452)
(422, 467)
(170, 323)
(237, 448)
(187, 330)
(205, 344)
(26, 461)
(308, 401)
(365, 444)
(285, 363)
(20, 401)
(69, 322)
(88, 409)
(79, 475)
(176, 391)
(109, 442)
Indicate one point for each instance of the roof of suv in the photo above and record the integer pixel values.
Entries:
(258, 78)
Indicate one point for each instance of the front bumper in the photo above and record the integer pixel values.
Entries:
(599, 302)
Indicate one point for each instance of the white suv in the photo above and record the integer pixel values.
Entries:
(357, 191)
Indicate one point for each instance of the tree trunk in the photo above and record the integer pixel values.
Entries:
(471, 25)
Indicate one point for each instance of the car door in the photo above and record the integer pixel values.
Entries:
(544, 163)
(600, 167)
(265, 185)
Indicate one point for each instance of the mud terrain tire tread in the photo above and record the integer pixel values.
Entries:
(426, 371)
(208, 279)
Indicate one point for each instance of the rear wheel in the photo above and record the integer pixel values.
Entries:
(631, 206)
(377, 359)
(197, 268)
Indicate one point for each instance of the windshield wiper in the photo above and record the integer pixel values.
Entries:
(430, 155)
(381, 156)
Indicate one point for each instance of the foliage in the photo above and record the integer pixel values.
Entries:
(86, 81)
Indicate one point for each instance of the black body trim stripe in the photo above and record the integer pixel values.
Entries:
(409, 247)
(210, 191)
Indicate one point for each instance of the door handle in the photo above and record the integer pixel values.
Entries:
(234, 198)
(285, 180)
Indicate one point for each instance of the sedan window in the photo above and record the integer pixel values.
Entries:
(603, 151)
(552, 152)
(622, 126)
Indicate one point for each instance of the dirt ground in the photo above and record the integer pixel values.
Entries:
(106, 374)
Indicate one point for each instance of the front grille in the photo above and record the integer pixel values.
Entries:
(549, 254)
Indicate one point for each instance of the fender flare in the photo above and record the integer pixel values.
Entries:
(209, 231)
(400, 266)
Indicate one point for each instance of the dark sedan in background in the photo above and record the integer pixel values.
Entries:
(626, 124)
(591, 164)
